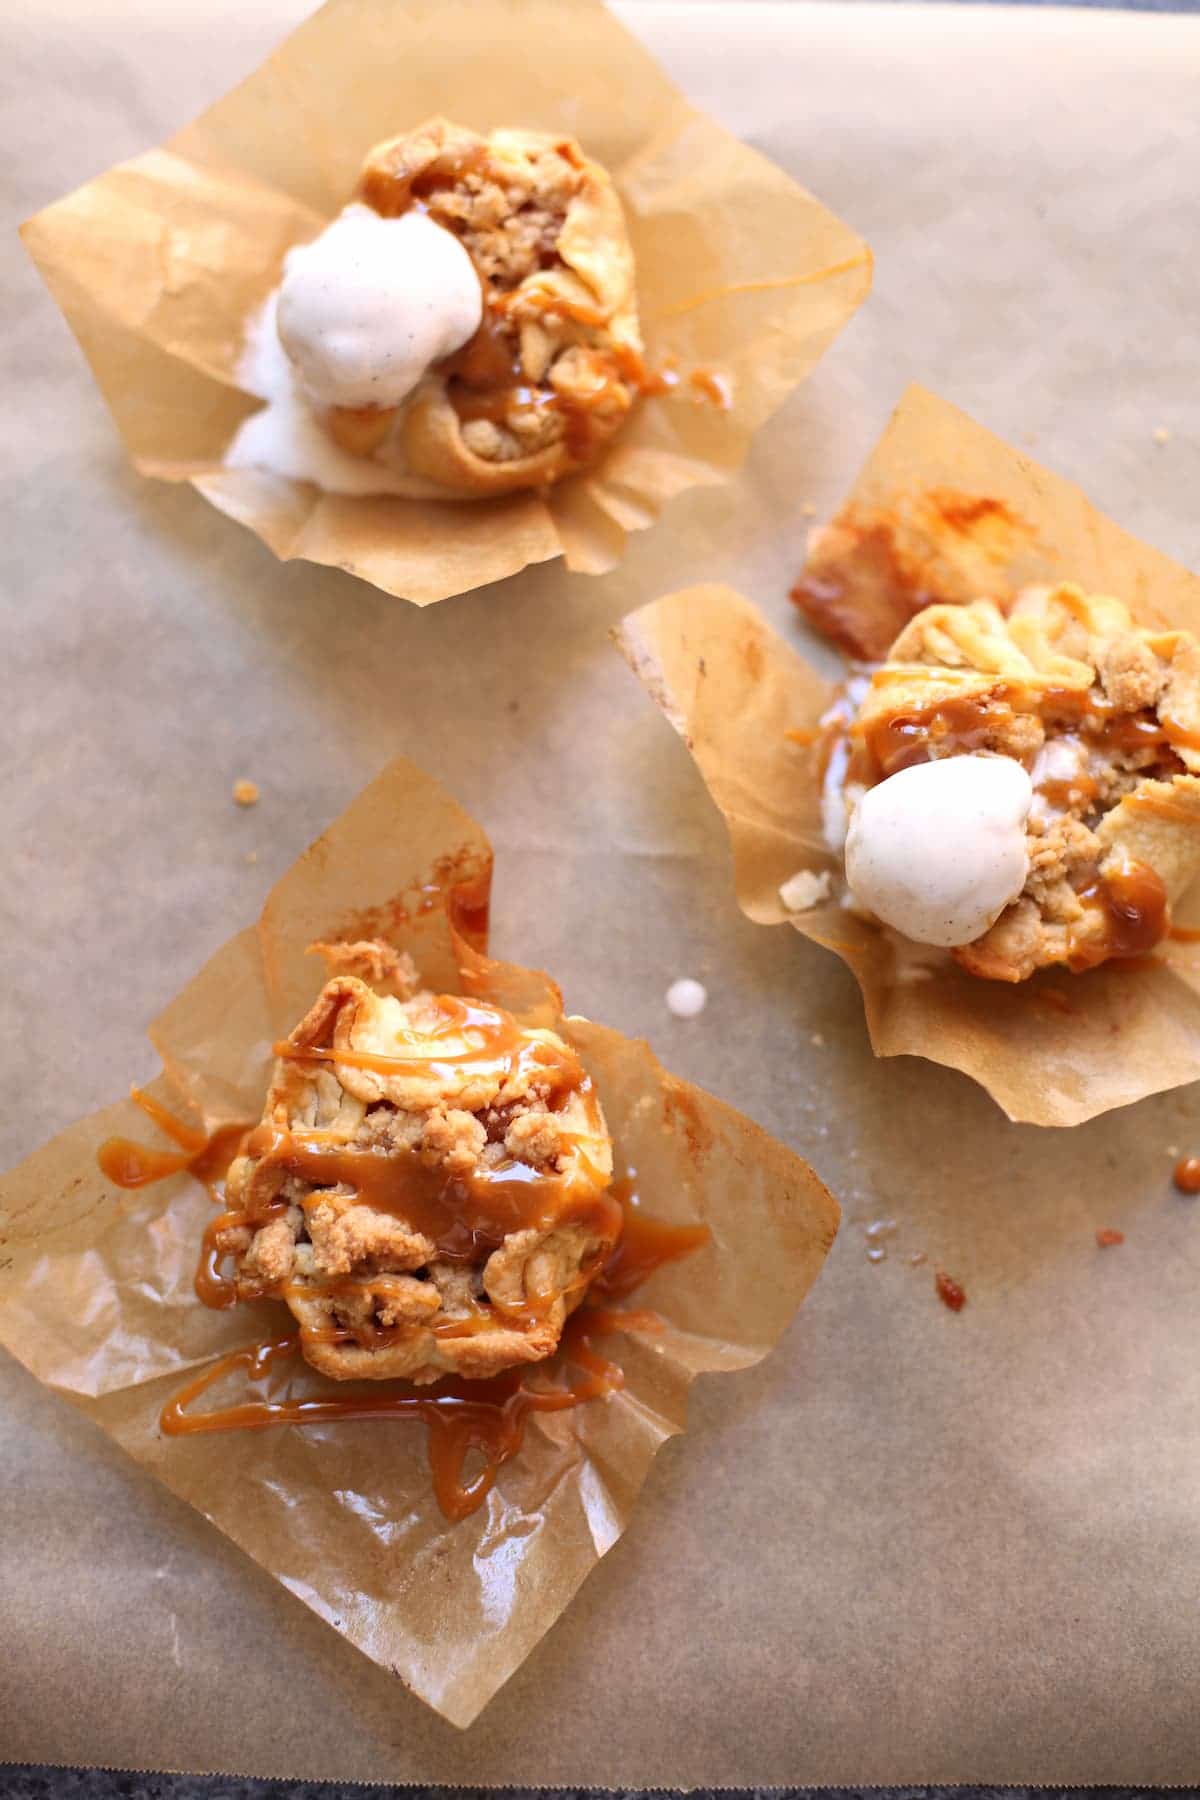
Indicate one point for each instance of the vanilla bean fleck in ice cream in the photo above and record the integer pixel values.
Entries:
(369, 305)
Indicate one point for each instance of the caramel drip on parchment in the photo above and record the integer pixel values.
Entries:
(460, 1416)
(488, 1418)
(128, 1164)
(463, 1215)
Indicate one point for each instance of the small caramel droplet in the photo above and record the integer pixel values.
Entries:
(949, 1292)
(1187, 1175)
(246, 793)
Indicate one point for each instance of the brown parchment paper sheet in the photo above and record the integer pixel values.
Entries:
(158, 263)
(908, 1546)
(96, 1294)
(1054, 1050)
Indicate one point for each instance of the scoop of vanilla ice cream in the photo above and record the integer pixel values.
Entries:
(937, 851)
(367, 306)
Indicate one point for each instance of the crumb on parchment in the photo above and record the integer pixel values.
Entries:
(245, 793)
(805, 889)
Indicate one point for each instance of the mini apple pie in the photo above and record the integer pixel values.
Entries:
(428, 1187)
(1021, 786)
(470, 319)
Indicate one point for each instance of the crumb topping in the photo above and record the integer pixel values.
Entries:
(428, 1187)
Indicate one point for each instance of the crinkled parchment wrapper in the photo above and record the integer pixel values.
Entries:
(1054, 1050)
(96, 1295)
(158, 263)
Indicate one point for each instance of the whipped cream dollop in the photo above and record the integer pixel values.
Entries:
(938, 851)
(369, 305)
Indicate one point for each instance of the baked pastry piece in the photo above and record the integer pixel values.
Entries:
(428, 1187)
(554, 366)
(1103, 716)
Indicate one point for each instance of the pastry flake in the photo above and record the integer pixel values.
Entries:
(428, 1187)
(1105, 718)
(872, 569)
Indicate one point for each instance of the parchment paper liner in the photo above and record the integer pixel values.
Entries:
(1054, 1050)
(158, 262)
(96, 1293)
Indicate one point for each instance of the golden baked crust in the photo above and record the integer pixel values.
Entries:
(555, 366)
(427, 1188)
(1106, 718)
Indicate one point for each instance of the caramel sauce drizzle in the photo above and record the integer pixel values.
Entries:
(128, 1164)
(1133, 901)
(644, 1245)
(1068, 793)
(461, 1417)
(212, 1286)
(465, 1216)
(489, 1417)
(548, 301)
(964, 722)
(132, 1165)
(476, 1038)
(491, 1038)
